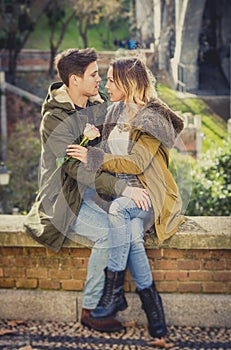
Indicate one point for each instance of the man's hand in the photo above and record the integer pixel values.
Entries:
(77, 152)
(139, 196)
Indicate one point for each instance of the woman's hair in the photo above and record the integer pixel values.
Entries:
(133, 78)
(74, 61)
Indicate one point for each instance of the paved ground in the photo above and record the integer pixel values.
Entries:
(37, 335)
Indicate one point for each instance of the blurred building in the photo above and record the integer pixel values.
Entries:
(191, 38)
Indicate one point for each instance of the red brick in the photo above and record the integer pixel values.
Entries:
(228, 288)
(80, 252)
(154, 253)
(59, 274)
(221, 254)
(27, 283)
(72, 285)
(64, 252)
(214, 287)
(173, 253)
(128, 275)
(228, 264)
(190, 287)
(158, 275)
(214, 265)
(49, 284)
(39, 273)
(7, 283)
(126, 286)
(176, 275)
(197, 254)
(34, 251)
(11, 251)
(25, 262)
(79, 274)
(222, 276)
(14, 272)
(188, 265)
(164, 264)
(200, 276)
(167, 287)
(132, 287)
(7, 261)
(74, 262)
(49, 262)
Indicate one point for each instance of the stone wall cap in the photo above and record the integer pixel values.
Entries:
(198, 232)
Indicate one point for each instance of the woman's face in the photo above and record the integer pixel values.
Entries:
(114, 92)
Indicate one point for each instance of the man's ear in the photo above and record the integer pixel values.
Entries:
(74, 79)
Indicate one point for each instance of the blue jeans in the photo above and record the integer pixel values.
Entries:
(126, 241)
(92, 222)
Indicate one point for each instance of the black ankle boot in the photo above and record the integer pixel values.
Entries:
(152, 305)
(113, 299)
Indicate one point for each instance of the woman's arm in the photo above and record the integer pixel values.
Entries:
(134, 163)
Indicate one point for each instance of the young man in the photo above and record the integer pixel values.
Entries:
(69, 105)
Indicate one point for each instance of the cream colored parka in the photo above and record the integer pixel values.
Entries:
(153, 133)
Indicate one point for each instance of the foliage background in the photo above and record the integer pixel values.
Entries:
(204, 184)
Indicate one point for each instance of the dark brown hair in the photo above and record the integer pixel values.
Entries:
(74, 61)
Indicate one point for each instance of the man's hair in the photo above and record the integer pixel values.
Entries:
(134, 79)
(74, 61)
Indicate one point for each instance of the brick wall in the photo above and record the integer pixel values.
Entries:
(39, 60)
(174, 270)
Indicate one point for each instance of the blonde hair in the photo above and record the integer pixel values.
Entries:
(133, 78)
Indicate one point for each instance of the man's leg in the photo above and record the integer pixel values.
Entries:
(92, 222)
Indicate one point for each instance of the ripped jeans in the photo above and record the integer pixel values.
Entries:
(126, 241)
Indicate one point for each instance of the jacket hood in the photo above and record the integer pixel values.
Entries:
(156, 119)
(58, 97)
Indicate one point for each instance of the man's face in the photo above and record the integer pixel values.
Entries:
(89, 83)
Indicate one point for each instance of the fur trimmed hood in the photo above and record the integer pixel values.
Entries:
(156, 119)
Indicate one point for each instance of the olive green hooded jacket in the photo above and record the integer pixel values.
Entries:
(61, 188)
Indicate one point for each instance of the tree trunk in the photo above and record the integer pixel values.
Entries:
(51, 70)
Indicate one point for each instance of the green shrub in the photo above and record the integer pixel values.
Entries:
(211, 191)
(23, 159)
(181, 168)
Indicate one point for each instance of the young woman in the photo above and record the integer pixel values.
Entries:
(138, 132)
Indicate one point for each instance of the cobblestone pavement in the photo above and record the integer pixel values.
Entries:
(37, 335)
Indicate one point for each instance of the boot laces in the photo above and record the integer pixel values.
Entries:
(106, 296)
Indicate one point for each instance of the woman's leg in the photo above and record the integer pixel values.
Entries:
(122, 212)
(138, 263)
(126, 221)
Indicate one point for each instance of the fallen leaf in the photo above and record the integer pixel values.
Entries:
(161, 343)
(6, 331)
(131, 323)
(14, 323)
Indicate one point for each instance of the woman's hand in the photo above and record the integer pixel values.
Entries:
(139, 196)
(77, 152)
